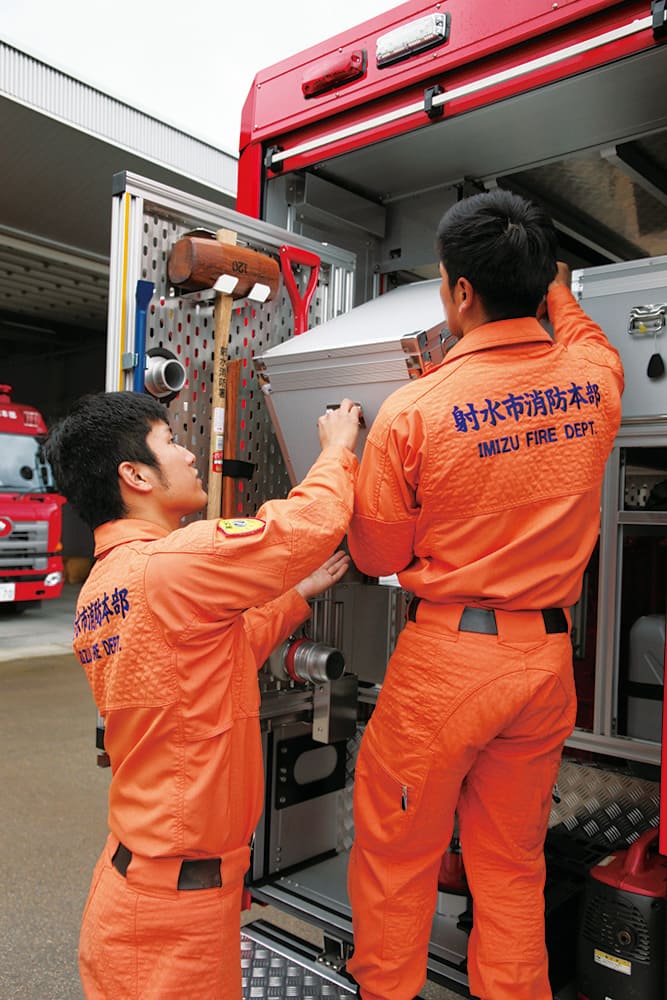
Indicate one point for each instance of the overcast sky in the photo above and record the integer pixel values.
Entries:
(189, 62)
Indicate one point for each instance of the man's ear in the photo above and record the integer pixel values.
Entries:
(464, 295)
(131, 476)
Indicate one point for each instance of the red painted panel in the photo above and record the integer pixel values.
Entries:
(479, 30)
(459, 78)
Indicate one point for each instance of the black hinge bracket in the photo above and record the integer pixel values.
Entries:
(431, 92)
(659, 15)
(268, 159)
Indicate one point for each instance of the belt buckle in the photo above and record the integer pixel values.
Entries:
(480, 620)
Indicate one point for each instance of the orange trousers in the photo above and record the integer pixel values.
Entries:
(143, 939)
(474, 725)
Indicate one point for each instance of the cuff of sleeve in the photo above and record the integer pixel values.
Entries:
(347, 458)
(558, 295)
(294, 606)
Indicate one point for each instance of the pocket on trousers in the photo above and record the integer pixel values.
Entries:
(383, 804)
(247, 695)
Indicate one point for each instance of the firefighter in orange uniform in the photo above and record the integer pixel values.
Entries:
(480, 486)
(171, 627)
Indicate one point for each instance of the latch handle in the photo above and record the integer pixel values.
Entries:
(647, 321)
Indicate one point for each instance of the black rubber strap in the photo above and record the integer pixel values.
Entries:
(235, 469)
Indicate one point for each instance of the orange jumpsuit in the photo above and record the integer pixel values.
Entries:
(480, 485)
(171, 651)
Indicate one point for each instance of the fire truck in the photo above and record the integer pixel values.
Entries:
(31, 564)
(350, 152)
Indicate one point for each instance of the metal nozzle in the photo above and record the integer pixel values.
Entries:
(301, 660)
(163, 376)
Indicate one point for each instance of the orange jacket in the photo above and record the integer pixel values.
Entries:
(480, 482)
(171, 651)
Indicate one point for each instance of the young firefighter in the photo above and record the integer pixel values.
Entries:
(480, 486)
(171, 627)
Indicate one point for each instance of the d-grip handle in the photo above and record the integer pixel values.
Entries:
(300, 303)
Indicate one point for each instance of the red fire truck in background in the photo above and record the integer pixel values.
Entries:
(31, 564)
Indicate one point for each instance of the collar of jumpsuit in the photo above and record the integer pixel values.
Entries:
(127, 529)
(500, 333)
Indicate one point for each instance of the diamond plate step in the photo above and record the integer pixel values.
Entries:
(273, 964)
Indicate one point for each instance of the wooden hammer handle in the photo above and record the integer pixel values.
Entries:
(222, 320)
(229, 485)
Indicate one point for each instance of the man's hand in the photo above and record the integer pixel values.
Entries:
(563, 275)
(340, 426)
(330, 572)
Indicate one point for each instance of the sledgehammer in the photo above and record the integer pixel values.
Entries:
(198, 262)
(234, 272)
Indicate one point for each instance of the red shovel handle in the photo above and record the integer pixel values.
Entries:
(288, 257)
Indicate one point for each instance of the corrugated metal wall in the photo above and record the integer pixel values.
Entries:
(53, 93)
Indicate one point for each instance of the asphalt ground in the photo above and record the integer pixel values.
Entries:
(54, 804)
(53, 823)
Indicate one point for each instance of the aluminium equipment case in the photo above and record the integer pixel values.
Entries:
(629, 301)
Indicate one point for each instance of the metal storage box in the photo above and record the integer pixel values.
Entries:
(358, 355)
(629, 301)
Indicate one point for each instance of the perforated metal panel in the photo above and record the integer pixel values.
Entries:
(184, 324)
(147, 220)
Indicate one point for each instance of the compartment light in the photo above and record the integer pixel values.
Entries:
(409, 39)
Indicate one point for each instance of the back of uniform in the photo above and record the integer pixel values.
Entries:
(480, 486)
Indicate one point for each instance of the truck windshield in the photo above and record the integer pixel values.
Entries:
(23, 465)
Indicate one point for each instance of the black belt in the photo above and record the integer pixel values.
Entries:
(483, 620)
(201, 873)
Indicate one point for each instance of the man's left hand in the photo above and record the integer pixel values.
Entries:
(330, 572)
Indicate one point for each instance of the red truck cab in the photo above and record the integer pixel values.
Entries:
(31, 563)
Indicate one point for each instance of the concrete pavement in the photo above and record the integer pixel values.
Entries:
(44, 630)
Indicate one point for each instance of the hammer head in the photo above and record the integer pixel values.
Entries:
(197, 262)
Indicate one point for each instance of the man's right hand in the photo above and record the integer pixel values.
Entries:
(340, 426)
(563, 275)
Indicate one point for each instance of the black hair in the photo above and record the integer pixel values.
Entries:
(86, 447)
(505, 246)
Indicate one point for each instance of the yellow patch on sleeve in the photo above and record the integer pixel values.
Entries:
(232, 527)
